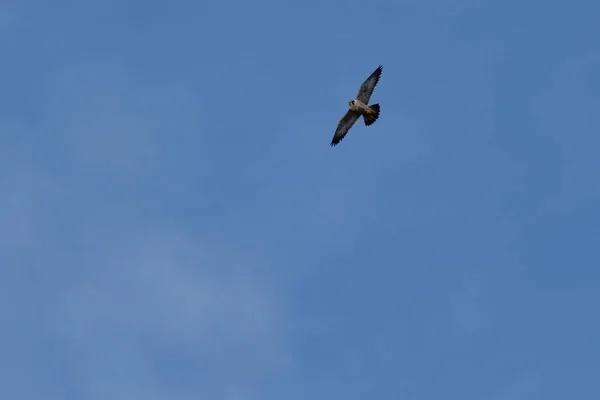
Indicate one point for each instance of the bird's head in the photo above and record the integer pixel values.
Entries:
(351, 102)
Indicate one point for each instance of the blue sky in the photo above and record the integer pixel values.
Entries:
(174, 224)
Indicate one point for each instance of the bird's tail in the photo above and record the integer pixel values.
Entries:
(371, 118)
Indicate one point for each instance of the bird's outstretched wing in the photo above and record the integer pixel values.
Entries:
(366, 89)
(344, 126)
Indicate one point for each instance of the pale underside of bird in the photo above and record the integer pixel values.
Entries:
(359, 106)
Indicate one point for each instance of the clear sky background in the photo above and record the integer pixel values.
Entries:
(175, 225)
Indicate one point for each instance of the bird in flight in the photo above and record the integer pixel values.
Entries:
(359, 106)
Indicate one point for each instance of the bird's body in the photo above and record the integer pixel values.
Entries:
(359, 106)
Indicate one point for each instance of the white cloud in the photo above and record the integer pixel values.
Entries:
(161, 297)
(23, 192)
(144, 310)
(470, 303)
(133, 310)
(7, 16)
(110, 120)
(526, 386)
(15, 212)
(92, 108)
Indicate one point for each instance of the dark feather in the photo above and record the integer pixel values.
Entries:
(366, 89)
(344, 126)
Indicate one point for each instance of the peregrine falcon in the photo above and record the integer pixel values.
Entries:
(359, 107)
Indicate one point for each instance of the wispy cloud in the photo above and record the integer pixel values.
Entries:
(134, 307)
(161, 298)
(7, 16)
(523, 387)
(134, 310)
(469, 308)
(112, 121)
